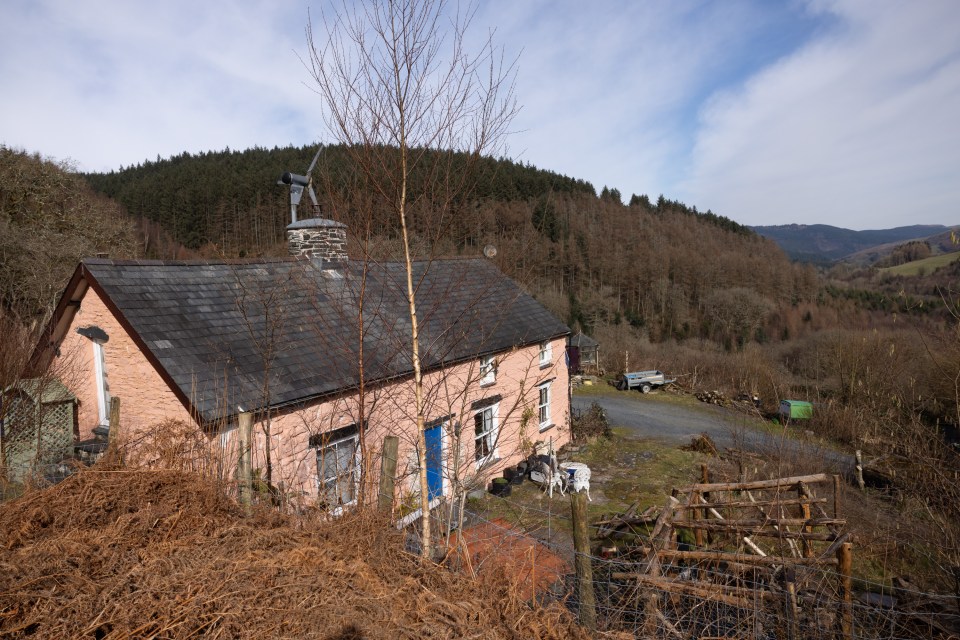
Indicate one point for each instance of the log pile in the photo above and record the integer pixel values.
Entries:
(713, 397)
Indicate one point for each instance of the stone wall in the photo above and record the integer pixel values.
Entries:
(318, 238)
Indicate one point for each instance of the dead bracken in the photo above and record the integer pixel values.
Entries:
(122, 553)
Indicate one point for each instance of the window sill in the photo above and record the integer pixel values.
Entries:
(546, 427)
(487, 462)
(336, 512)
(489, 383)
(544, 365)
(412, 517)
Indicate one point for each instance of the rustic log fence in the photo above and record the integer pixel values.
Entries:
(740, 544)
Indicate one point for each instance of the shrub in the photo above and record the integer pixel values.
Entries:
(590, 424)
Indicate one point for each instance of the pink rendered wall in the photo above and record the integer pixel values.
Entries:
(390, 410)
(144, 396)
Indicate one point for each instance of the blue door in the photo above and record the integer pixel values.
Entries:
(434, 439)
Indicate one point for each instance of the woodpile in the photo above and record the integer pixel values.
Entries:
(713, 397)
(704, 444)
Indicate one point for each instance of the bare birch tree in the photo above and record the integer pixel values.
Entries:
(405, 97)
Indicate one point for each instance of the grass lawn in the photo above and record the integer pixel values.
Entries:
(927, 265)
(624, 470)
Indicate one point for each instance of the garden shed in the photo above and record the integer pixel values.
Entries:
(584, 354)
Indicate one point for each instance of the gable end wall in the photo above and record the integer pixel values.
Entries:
(144, 395)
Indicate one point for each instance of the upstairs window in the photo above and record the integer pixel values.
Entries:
(98, 337)
(488, 371)
(546, 354)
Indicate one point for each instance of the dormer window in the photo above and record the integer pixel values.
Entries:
(546, 354)
(488, 371)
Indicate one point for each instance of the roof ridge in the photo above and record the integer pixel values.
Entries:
(265, 260)
(184, 263)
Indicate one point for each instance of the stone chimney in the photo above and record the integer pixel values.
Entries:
(318, 238)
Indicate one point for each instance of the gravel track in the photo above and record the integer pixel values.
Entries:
(650, 416)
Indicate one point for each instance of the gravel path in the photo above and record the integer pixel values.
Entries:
(648, 416)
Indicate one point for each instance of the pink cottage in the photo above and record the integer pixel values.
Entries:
(317, 347)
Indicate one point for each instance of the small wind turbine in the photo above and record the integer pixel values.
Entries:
(298, 183)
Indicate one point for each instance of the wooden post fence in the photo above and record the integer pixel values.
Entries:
(582, 562)
(114, 434)
(388, 473)
(845, 565)
(244, 466)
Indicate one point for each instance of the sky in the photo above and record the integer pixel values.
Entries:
(840, 112)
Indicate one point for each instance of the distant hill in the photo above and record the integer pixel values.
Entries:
(821, 243)
(939, 243)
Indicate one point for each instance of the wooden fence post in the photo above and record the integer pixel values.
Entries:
(793, 611)
(114, 421)
(836, 496)
(704, 513)
(388, 473)
(845, 566)
(113, 432)
(805, 513)
(582, 562)
(244, 466)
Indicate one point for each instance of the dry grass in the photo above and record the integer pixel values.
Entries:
(921, 267)
(121, 553)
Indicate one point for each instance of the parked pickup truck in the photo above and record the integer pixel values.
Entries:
(646, 381)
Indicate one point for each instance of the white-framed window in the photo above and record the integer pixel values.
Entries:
(543, 405)
(546, 353)
(103, 389)
(338, 467)
(488, 370)
(485, 434)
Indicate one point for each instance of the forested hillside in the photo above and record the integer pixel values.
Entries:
(664, 268)
(231, 199)
(50, 219)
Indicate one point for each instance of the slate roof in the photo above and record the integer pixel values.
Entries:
(208, 326)
(583, 341)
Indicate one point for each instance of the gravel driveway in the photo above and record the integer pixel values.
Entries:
(648, 416)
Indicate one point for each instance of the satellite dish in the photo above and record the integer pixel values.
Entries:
(298, 183)
(490, 251)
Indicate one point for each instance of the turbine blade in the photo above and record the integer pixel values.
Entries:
(315, 158)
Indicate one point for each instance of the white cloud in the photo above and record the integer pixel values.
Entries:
(603, 85)
(857, 128)
(115, 83)
(835, 110)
